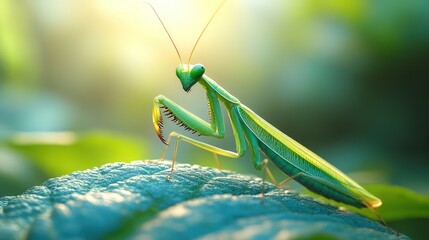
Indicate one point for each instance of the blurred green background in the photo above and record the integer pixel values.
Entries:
(345, 78)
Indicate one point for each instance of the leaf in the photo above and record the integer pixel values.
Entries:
(398, 203)
(135, 201)
(63, 152)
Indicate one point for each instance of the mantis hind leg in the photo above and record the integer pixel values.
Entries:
(273, 179)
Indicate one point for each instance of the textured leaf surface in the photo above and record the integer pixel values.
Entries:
(134, 200)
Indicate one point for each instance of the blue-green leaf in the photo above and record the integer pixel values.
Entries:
(135, 200)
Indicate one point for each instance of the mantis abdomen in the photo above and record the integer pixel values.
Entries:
(305, 166)
(314, 186)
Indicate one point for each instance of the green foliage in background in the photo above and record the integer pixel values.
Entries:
(17, 53)
(398, 203)
(87, 150)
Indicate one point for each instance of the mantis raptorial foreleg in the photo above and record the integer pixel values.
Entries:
(184, 118)
(215, 128)
(195, 124)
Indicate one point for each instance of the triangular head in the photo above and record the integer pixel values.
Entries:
(189, 75)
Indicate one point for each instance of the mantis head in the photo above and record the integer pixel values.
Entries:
(189, 75)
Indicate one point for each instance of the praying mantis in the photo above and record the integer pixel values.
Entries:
(292, 158)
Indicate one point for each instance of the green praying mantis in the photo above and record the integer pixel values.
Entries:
(292, 158)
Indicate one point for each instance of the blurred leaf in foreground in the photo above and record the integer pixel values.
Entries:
(58, 153)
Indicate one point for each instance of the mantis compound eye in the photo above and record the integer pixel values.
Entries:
(197, 71)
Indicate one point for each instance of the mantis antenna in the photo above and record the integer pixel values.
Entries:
(199, 37)
(171, 39)
(202, 32)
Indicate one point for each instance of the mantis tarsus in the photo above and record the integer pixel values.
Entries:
(295, 160)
